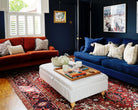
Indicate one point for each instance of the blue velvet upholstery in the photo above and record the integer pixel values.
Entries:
(88, 41)
(114, 40)
(110, 72)
(120, 65)
(126, 41)
(90, 58)
(113, 67)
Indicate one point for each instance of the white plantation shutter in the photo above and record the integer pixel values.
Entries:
(30, 25)
(21, 25)
(13, 25)
(37, 25)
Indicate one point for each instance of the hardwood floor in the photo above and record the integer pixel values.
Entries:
(8, 98)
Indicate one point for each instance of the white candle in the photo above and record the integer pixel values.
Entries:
(79, 64)
(65, 68)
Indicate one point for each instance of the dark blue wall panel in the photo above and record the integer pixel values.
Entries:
(97, 19)
(61, 35)
(2, 25)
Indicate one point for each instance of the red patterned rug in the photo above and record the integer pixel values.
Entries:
(37, 96)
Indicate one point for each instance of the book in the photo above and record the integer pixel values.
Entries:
(75, 76)
(74, 73)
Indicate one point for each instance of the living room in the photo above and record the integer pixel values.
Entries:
(85, 22)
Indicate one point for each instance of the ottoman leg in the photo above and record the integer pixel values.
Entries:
(103, 93)
(72, 105)
(42, 81)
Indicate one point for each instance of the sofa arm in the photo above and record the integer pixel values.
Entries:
(82, 48)
(51, 48)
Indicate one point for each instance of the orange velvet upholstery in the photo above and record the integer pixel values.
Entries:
(29, 43)
(14, 41)
(43, 54)
(9, 59)
(30, 57)
(51, 48)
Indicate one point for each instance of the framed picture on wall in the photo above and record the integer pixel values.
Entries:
(115, 18)
(137, 18)
(59, 16)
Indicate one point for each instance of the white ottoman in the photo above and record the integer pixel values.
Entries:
(73, 90)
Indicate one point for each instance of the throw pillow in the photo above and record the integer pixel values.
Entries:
(115, 51)
(41, 44)
(15, 49)
(88, 41)
(3, 48)
(99, 49)
(130, 54)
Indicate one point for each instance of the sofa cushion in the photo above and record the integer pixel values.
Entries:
(43, 54)
(3, 48)
(14, 59)
(116, 52)
(88, 41)
(114, 40)
(14, 41)
(126, 41)
(99, 49)
(41, 44)
(130, 53)
(29, 43)
(90, 58)
(121, 66)
(15, 49)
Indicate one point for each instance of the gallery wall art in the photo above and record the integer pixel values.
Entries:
(59, 16)
(115, 18)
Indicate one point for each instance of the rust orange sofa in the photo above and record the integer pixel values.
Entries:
(30, 57)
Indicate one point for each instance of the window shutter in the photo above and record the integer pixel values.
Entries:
(37, 25)
(30, 25)
(13, 25)
(21, 25)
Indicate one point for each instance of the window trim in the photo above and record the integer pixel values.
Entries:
(7, 21)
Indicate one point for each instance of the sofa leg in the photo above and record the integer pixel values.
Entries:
(72, 105)
(103, 94)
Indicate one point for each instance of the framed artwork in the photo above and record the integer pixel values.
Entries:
(137, 18)
(59, 16)
(115, 18)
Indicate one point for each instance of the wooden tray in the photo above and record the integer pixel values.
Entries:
(88, 73)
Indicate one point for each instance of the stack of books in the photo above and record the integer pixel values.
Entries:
(75, 74)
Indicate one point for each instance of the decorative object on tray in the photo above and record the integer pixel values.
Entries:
(74, 74)
(59, 61)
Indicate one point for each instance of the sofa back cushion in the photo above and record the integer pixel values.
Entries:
(14, 41)
(88, 41)
(29, 43)
(113, 40)
(126, 41)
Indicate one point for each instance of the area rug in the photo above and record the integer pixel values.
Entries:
(41, 96)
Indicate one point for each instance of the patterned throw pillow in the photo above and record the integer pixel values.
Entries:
(41, 44)
(99, 49)
(115, 51)
(15, 49)
(130, 53)
(3, 48)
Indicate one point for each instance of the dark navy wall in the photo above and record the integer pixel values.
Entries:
(97, 18)
(2, 26)
(61, 35)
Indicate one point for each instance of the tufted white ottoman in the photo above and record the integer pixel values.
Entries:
(73, 90)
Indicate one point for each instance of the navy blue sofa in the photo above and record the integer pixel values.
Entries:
(113, 67)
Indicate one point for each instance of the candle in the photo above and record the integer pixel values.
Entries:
(79, 64)
(65, 68)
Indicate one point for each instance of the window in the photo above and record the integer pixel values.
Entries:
(26, 17)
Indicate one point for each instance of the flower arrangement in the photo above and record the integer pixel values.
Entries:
(59, 61)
